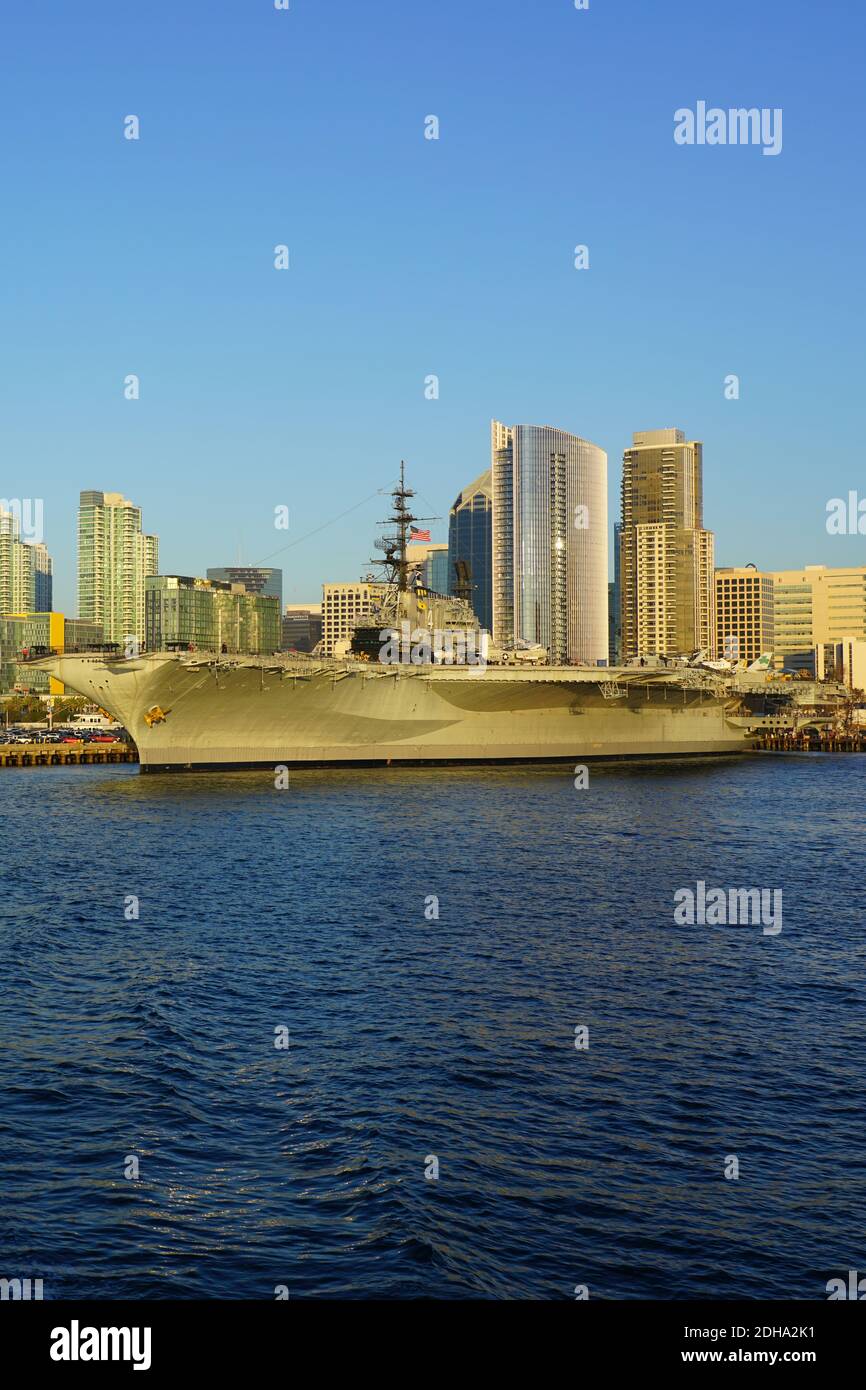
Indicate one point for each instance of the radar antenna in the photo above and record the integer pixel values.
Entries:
(393, 544)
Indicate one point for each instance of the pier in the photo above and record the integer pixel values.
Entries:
(813, 741)
(65, 754)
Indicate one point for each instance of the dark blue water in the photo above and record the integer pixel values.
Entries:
(453, 1037)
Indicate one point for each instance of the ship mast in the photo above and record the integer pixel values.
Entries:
(394, 544)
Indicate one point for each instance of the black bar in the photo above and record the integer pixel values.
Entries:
(223, 1337)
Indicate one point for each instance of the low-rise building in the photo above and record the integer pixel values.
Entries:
(302, 627)
(208, 615)
(34, 632)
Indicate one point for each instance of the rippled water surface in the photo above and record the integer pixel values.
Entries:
(412, 1036)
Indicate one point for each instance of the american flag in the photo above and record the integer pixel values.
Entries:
(416, 535)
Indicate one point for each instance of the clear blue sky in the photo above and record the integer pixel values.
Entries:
(410, 257)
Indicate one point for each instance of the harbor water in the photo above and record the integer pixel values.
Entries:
(432, 1032)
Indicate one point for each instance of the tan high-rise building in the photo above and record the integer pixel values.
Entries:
(342, 605)
(666, 556)
(814, 606)
(114, 559)
(744, 613)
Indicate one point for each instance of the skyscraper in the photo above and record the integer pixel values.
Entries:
(549, 541)
(470, 539)
(436, 568)
(43, 579)
(114, 558)
(614, 613)
(16, 567)
(666, 557)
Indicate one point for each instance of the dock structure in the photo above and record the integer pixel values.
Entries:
(65, 754)
(813, 741)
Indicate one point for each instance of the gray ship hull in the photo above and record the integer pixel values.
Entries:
(200, 711)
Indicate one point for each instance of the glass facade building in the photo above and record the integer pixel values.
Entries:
(254, 579)
(43, 580)
(205, 614)
(614, 616)
(470, 539)
(40, 629)
(550, 542)
(436, 569)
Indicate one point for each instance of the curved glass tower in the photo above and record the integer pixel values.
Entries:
(550, 542)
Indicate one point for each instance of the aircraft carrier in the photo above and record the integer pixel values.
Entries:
(205, 710)
(414, 686)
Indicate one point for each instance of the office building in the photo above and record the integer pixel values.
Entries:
(418, 553)
(114, 559)
(614, 603)
(428, 564)
(254, 579)
(301, 627)
(843, 661)
(744, 613)
(342, 605)
(205, 614)
(470, 541)
(44, 630)
(666, 556)
(815, 606)
(43, 579)
(549, 542)
(435, 569)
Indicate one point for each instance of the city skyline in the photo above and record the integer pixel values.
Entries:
(833, 550)
(44, 556)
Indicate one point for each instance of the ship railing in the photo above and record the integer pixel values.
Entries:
(100, 650)
(38, 652)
